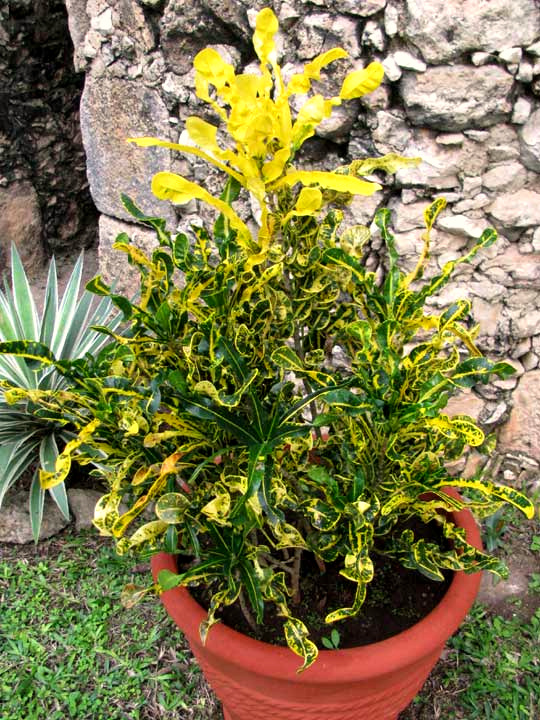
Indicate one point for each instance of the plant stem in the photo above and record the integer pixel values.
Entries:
(296, 596)
(246, 611)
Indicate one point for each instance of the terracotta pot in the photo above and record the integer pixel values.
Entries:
(258, 681)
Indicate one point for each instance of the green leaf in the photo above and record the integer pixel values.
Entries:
(236, 425)
(251, 583)
(23, 300)
(168, 580)
(36, 500)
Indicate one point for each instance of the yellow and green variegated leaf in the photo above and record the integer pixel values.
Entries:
(328, 181)
(28, 349)
(507, 494)
(396, 500)
(285, 357)
(288, 536)
(296, 635)
(432, 212)
(275, 590)
(457, 311)
(135, 254)
(348, 612)
(218, 509)
(227, 596)
(210, 390)
(236, 483)
(106, 513)
(143, 473)
(362, 82)
(358, 568)
(171, 507)
(358, 507)
(49, 479)
(353, 239)
(148, 533)
(462, 427)
(121, 523)
(424, 562)
(323, 516)
(389, 164)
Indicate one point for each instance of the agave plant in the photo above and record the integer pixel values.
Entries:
(30, 437)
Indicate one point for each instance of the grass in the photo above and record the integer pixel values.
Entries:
(69, 649)
(489, 671)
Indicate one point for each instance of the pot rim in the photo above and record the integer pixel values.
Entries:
(343, 665)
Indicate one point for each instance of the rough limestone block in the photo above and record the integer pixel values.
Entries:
(15, 519)
(522, 432)
(452, 28)
(457, 97)
(82, 503)
(113, 264)
(112, 110)
(517, 209)
(20, 224)
(529, 137)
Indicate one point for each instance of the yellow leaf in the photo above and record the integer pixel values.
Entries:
(301, 83)
(142, 474)
(313, 69)
(309, 201)
(329, 181)
(311, 114)
(218, 509)
(210, 66)
(169, 186)
(188, 149)
(202, 133)
(266, 26)
(273, 169)
(49, 480)
(361, 82)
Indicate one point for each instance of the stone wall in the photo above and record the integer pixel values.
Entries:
(45, 204)
(462, 90)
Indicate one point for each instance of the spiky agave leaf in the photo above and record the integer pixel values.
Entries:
(29, 440)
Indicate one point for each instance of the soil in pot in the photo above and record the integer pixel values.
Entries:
(396, 599)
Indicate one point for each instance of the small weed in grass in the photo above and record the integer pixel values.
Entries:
(70, 650)
(534, 583)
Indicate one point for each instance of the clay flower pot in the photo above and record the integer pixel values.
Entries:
(258, 681)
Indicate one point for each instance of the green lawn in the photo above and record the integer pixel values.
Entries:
(68, 649)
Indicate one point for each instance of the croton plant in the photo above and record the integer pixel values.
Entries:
(269, 397)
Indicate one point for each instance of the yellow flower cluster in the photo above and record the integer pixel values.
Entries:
(257, 114)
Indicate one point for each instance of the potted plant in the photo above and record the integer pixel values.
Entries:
(271, 402)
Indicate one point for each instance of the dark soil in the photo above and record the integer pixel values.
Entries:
(396, 599)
